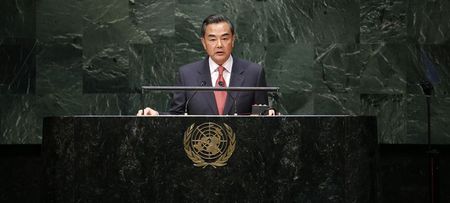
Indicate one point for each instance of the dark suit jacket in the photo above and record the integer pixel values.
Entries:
(243, 74)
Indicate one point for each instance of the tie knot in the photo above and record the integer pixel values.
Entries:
(221, 69)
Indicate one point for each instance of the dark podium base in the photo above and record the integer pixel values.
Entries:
(131, 159)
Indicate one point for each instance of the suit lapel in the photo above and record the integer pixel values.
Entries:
(236, 80)
(205, 78)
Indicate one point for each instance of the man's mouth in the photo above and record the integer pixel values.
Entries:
(219, 52)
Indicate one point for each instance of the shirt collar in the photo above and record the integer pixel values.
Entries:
(227, 65)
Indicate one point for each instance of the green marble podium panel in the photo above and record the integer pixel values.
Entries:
(143, 159)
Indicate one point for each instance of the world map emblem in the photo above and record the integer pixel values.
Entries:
(209, 144)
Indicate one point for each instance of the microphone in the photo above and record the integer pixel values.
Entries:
(235, 105)
(234, 102)
(221, 83)
(427, 87)
(203, 83)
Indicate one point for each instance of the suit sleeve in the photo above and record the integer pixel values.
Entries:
(178, 101)
(261, 96)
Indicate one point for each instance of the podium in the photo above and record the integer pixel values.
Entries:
(151, 159)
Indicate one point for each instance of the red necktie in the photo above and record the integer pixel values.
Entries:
(220, 96)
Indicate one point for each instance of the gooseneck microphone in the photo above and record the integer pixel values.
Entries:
(203, 83)
(234, 103)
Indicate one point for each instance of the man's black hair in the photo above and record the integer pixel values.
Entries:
(216, 18)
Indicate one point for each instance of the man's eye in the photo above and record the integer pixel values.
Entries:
(212, 40)
(225, 38)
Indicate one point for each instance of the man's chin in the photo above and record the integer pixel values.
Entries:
(220, 59)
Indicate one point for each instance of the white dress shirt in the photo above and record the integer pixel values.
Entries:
(214, 70)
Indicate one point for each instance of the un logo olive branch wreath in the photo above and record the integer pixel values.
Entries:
(209, 144)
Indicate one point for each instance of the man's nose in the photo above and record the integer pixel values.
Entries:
(219, 43)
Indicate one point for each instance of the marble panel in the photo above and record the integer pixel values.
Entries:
(337, 68)
(336, 104)
(429, 21)
(384, 21)
(17, 19)
(18, 66)
(384, 67)
(289, 21)
(417, 121)
(336, 21)
(391, 116)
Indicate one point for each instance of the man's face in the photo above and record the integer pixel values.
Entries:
(218, 42)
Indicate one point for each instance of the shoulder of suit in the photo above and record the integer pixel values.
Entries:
(246, 64)
(197, 65)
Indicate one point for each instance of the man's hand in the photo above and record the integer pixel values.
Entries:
(147, 112)
(271, 112)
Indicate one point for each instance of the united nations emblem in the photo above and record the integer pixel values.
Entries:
(209, 144)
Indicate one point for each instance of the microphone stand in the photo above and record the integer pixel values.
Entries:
(187, 102)
(141, 97)
(235, 104)
(433, 160)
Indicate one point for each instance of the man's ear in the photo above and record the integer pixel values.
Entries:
(203, 42)
(232, 41)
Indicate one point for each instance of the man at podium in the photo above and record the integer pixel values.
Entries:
(218, 69)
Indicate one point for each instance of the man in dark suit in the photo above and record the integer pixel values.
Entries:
(219, 69)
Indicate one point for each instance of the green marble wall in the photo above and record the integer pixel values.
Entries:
(61, 57)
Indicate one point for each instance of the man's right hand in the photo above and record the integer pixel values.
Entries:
(147, 112)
